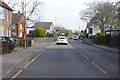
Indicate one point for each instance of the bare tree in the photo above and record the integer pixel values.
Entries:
(32, 8)
(101, 13)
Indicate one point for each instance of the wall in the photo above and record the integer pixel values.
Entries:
(6, 24)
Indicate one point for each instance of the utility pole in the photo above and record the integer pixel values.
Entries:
(25, 26)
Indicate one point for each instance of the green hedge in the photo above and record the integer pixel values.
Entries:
(116, 39)
(98, 39)
(49, 35)
(101, 39)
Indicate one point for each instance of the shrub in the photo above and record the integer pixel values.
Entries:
(39, 32)
(98, 39)
(49, 35)
(116, 40)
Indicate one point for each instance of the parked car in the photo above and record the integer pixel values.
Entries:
(76, 37)
(10, 40)
(61, 40)
(70, 37)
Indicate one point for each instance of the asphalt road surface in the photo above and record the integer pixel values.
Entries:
(76, 60)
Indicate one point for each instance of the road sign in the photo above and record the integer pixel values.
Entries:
(106, 25)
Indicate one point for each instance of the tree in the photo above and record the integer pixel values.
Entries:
(40, 32)
(62, 30)
(76, 33)
(32, 8)
(100, 13)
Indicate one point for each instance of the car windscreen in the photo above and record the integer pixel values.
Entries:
(61, 37)
(9, 39)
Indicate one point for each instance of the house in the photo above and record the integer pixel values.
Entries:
(92, 29)
(18, 24)
(5, 19)
(48, 26)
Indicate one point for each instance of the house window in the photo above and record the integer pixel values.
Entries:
(2, 31)
(20, 34)
(20, 26)
(14, 33)
(8, 16)
(7, 32)
(1, 13)
(13, 27)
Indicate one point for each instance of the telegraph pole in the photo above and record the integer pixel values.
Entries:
(25, 26)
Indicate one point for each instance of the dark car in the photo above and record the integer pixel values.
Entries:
(11, 42)
(70, 37)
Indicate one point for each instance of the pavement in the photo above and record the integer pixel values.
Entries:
(103, 47)
(13, 61)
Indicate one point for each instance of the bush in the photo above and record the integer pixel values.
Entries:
(116, 40)
(49, 35)
(28, 35)
(39, 32)
(98, 39)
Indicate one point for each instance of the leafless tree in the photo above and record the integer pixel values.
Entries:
(101, 13)
(32, 8)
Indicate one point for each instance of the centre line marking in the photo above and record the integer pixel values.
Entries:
(99, 68)
(85, 56)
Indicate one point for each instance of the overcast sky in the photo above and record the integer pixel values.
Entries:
(65, 12)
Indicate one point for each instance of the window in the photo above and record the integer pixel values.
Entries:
(2, 31)
(20, 34)
(20, 26)
(13, 26)
(14, 33)
(7, 15)
(7, 32)
(1, 13)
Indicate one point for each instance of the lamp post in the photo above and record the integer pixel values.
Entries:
(25, 27)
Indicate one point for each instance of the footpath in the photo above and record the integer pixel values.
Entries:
(115, 50)
(12, 61)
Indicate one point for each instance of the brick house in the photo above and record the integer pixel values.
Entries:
(18, 24)
(48, 26)
(5, 19)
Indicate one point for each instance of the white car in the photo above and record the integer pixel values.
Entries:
(61, 40)
(75, 37)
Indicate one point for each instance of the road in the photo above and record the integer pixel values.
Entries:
(76, 60)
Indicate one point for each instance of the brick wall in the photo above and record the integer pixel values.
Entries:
(6, 24)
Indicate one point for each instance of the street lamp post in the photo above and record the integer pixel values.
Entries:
(25, 27)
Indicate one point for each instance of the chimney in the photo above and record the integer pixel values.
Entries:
(18, 12)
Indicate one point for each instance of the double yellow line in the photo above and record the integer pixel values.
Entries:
(21, 70)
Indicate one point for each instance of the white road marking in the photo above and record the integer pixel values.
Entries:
(99, 68)
(85, 56)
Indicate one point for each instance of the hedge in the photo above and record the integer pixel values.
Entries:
(98, 39)
(101, 39)
(116, 39)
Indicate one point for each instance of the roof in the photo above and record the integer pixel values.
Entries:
(42, 24)
(16, 18)
(3, 4)
(88, 25)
